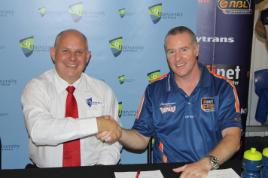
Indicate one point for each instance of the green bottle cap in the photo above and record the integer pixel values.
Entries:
(265, 152)
(252, 155)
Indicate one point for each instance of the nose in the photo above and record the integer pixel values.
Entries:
(177, 55)
(72, 56)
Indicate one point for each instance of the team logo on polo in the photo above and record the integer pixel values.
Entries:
(122, 12)
(42, 11)
(167, 107)
(27, 45)
(208, 104)
(120, 109)
(76, 10)
(155, 12)
(116, 46)
(235, 6)
(154, 75)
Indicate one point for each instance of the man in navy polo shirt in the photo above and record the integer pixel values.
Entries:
(193, 115)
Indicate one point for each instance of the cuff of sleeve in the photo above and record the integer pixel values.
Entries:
(89, 125)
(107, 160)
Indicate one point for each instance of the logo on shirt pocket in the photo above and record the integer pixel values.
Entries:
(208, 104)
(167, 107)
(91, 102)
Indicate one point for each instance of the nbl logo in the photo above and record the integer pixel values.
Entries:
(27, 45)
(235, 6)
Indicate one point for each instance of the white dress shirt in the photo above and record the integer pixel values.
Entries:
(43, 101)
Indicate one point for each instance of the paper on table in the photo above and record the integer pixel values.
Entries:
(223, 173)
(143, 174)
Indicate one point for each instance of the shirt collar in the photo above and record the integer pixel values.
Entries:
(61, 84)
(205, 79)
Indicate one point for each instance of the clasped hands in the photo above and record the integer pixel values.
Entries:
(109, 130)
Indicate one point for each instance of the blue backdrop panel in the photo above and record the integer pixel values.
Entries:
(28, 30)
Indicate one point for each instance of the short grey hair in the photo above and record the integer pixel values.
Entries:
(180, 30)
(70, 30)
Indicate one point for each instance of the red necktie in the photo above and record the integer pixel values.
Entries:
(71, 149)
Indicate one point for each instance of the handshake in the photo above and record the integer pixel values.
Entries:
(109, 130)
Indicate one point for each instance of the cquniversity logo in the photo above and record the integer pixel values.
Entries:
(155, 12)
(122, 12)
(76, 10)
(122, 79)
(152, 76)
(120, 109)
(42, 11)
(116, 46)
(27, 45)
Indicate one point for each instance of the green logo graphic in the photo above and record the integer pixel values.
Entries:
(120, 109)
(76, 10)
(116, 46)
(122, 12)
(27, 45)
(155, 12)
(42, 11)
(121, 79)
(152, 76)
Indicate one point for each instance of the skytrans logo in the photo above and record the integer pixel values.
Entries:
(229, 71)
(116, 46)
(27, 45)
(42, 11)
(76, 10)
(235, 6)
(155, 12)
(215, 39)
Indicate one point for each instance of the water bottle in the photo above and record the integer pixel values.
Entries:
(265, 163)
(252, 163)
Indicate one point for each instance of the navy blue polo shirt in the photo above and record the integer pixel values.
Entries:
(186, 128)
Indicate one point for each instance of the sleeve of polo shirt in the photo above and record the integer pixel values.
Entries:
(144, 121)
(229, 108)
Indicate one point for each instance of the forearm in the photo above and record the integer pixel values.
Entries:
(57, 131)
(131, 139)
(228, 145)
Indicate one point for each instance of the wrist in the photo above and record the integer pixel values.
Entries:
(213, 161)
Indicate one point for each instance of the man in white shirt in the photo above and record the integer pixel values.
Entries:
(44, 98)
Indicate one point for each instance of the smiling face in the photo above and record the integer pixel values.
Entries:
(181, 53)
(70, 55)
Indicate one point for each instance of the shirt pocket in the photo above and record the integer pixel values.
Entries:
(92, 107)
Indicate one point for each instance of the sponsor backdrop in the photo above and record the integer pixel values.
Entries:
(126, 40)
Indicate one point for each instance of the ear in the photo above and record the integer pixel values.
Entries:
(196, 49)
(88, 56)
(53, 54)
